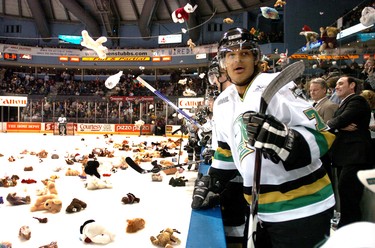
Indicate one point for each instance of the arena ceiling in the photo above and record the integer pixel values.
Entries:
(113, 13)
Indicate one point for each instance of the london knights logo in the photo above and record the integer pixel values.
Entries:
(241, 138)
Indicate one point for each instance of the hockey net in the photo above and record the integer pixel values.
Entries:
(70, 128)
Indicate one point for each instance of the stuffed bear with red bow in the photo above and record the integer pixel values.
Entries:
(182, 14)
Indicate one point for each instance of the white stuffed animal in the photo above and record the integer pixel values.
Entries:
(139, 123)
(92, 183)
(368, 16)
(91, 232)
(113, 80)
(189, 92)
(182, 14)
(96, 45)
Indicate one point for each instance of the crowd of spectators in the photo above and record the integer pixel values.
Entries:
(50, 82)
(77, 105)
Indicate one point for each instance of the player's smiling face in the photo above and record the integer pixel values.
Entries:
(240, 66)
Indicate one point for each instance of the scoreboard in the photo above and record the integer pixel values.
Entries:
(10, 56)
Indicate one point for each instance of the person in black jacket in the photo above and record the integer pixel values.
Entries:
(351, 150)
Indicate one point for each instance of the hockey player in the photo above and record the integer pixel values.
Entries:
(223, 181)
(296, 197)
(193, 147)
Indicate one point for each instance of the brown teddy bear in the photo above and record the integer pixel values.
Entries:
(166, 238)
(75, 206)
(135, 225)
(71, 172)
(42, 154)
(49, 202)
(16, 200)
(328, 38)
(130, 199)
(11, 159)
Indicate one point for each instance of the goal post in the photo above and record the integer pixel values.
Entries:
(70, 128)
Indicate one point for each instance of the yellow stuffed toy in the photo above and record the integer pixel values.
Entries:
(166, 238)
(51, 203)
(279, 3)
(191, 44)
(228, 20)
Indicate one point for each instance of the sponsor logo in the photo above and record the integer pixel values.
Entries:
(91, 127)
(224, 100)
(131, 128)
(259, 88)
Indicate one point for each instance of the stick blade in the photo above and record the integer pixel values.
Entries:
(134, 165)
(287, 75)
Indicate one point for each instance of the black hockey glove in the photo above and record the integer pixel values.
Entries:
(267, 133)
(204, 195)
(277, 141)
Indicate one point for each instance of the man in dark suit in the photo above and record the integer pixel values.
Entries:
(351, 150)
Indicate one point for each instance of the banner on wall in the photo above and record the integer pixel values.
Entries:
(55, 52)
(131, 128)
(94, 127)
(23, 126)
(13, 101)
(188, 103)
(132, 98)
(87, 128)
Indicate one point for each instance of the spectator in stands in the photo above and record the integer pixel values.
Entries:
(351, 150)
(368, 74)
(318, 93)
(326, 110)
(331, 83)
(369, 95)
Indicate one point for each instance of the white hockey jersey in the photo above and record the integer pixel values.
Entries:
(284, 195)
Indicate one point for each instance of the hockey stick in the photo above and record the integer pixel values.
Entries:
(165, 99)
(287, 75)
(157, 167)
